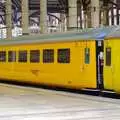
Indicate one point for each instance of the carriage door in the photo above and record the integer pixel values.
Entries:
(99, 63)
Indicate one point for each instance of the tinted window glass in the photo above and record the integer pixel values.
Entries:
(108, 56)
(48, 56)
(34, 56)
(11, 56)
(63, 56)
(2, 56)
(87, 55)
(22, 56)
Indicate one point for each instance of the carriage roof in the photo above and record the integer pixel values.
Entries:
(86, 34)
(114, 34)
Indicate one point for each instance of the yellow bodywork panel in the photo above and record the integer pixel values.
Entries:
(112, 72)
(75, 74)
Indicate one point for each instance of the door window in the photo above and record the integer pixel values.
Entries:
(87, 55)
(108, 56)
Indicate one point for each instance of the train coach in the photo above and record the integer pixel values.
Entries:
(112, 61)
(69, 60)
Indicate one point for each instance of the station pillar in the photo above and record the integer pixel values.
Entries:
(79, 14)
(62, 18)
(8, 9)
(89, 17)
(95, 13)
(43, 16)
(25, 17)
(72, 14)
(105, 17)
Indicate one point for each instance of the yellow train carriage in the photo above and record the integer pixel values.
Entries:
(66, 60)
(112, 61)
(62, 60)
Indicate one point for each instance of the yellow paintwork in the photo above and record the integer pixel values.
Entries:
(77, 74)
(112, 73)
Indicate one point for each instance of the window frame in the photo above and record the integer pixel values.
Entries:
(33, 54)
(108, 56)
(87, 55)
(3, 55)
(48, 55)
(23, 59)
(13, 56)
(63, 52)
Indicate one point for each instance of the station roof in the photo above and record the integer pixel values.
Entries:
(53, 5)
(57, 6)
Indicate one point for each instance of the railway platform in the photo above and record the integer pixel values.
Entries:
(27, 103)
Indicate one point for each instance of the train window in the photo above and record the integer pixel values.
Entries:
(108, 56)
(22, 56)
(2, 56)
(11, 56)
(48, 55)
(87, 55)
(63, 56)
(34, 56)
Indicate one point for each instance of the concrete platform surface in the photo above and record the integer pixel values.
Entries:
(21, 103)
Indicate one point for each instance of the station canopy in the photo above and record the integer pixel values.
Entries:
(53, 5)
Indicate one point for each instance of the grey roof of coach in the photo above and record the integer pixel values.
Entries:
(114, 34)
(87, 34)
